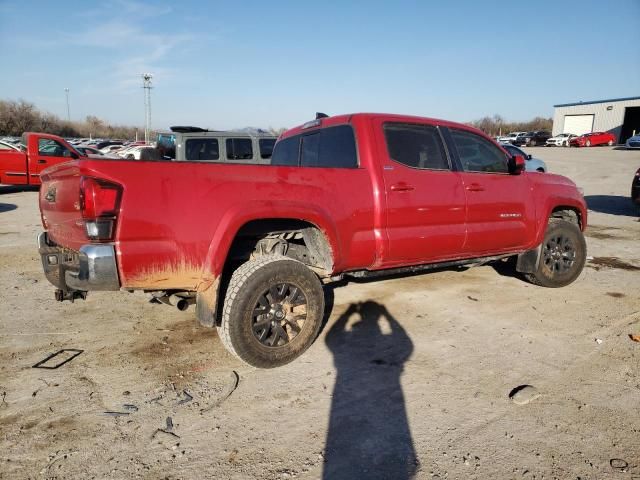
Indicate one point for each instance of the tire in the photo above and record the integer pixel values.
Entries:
(610, 143)
(563, 255)
(277, 293)
(541, 170)
(587, 143)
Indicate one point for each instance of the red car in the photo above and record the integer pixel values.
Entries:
(351, 195)
(592, 139)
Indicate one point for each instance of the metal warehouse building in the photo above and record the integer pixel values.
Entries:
(620, 116)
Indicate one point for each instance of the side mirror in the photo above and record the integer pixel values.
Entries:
(529, 157)
(516, 165)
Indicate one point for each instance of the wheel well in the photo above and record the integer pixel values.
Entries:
(297, 239)
(567, 213)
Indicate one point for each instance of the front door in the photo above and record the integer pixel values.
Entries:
(500, 208)
(50, 152)
(425, 197)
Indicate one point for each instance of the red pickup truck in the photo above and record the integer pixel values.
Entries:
(357, 195)
(42, 151)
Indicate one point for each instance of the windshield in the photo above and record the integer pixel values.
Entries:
(166, 145)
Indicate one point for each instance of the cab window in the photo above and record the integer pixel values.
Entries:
(51, 148)
(477, 154)
(416, 146)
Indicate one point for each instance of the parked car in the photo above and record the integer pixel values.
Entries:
(11, 146)
(593, 139)
(110, 149)
(358, 195)
(510, 137)
(23, 167)
(105, 143)
(635, 188)
(633, 142)
(561, 140)
(532, 164)
(532, 139)
(197, 144)
(88, 150)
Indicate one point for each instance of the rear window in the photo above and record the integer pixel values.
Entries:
(239, 149)
(266, 147)
(332, 147)
(202, 149)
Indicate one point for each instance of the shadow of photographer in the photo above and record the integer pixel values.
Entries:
(369, 435)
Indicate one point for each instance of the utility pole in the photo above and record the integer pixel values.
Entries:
(146, 85)
(66, 91)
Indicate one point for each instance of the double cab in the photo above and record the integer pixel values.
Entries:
(356, 195)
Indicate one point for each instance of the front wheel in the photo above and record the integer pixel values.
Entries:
(564, 252)
(587, 143)
(610, 143)
(272, 311)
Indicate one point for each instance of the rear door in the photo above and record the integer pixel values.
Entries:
(425, 197)
(500, 212)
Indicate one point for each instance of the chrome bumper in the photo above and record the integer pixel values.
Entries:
(92, 268)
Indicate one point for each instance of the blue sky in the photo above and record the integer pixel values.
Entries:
(274, 64)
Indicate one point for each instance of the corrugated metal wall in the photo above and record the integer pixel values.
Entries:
(604, 120)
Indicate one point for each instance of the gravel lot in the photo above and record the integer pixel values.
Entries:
(410, 376)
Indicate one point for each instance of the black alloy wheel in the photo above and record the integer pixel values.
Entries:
(279, 315)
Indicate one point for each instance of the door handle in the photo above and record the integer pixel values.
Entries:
(401, 187)
(474, 187)
(42, 161)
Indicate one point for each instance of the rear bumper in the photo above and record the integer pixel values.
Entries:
(92, 268)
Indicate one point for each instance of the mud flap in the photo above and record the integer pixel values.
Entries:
(528, 261)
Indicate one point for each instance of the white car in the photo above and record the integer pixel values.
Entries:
(509, 137)
(561, 140)
(633, 142)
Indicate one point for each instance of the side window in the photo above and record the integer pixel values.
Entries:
(266, 147)
(239, 149)
(416, 146)
(285, 152)
(331, 147)
(337, 148)
(202, 149)
(51, 148)
(478, 154)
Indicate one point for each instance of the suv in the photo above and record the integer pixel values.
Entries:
(199, 144)
(531, 139)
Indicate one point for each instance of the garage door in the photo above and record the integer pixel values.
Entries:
(578, 124)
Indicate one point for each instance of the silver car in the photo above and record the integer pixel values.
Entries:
(633, 142)
(531, 164)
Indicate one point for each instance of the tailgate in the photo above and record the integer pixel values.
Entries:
(60, 205)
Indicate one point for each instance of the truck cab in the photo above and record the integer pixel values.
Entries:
(42, 150)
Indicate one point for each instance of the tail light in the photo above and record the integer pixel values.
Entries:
(99, 204)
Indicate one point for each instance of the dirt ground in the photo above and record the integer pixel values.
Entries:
(410, 376)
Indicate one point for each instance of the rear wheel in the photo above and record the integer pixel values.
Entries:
(272, 311)
(587, 143)
(610, 142)
(563, 255)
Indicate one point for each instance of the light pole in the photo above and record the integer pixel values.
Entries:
(146, 84)
(66, 91)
